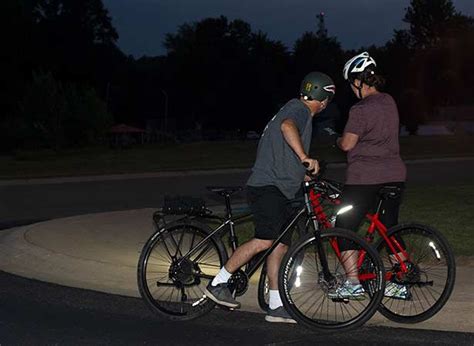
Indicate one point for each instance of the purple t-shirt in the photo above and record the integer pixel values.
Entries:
(375, 159)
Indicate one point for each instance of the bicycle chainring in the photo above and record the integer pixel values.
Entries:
(239, 282)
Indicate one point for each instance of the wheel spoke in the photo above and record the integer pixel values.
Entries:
(429, 279)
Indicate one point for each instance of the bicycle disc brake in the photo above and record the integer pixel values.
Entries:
(411, 276)
(182, 273)
(337, 279)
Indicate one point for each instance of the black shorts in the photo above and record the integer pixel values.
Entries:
(271, 209)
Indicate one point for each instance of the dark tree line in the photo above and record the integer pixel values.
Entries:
(65, 81)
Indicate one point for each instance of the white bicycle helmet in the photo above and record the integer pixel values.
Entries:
(357, 65)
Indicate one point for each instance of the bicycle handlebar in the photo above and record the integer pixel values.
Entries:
(329, 188)
(322, 169)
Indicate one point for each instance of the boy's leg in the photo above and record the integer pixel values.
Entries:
(217, 289)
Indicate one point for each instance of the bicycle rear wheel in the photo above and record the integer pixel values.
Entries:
(172, 286)
(429, 280)
(306, 291)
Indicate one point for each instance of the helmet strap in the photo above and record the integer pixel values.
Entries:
(359, 88)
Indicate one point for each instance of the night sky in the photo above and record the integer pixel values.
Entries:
(142, 24)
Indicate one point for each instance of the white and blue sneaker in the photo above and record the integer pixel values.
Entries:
(349, 291)
(397, 291)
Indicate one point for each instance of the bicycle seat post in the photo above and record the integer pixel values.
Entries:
(228, 206)
(379, 205)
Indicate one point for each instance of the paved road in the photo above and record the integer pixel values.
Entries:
(26, 201)
(32, 312)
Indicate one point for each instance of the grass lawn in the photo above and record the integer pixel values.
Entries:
(449, 209)
(191, 156)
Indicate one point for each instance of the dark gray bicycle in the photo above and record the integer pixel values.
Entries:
(183, 255)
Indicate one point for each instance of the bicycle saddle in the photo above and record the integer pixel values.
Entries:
(390, 192)
(224, 190)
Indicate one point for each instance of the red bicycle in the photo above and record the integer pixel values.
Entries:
(419, 264)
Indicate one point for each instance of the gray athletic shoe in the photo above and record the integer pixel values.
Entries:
(279, 315)
(221, 295)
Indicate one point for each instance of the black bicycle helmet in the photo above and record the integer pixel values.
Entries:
(317, 86)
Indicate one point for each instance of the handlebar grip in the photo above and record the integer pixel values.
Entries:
(322, 168)
(308, 172)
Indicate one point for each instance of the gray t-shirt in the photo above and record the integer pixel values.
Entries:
(375, 159)
(276, 163)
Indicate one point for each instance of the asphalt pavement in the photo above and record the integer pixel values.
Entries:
(39, 313)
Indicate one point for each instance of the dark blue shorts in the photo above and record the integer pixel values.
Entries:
(271, 210)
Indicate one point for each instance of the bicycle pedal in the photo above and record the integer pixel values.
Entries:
(200, 301)
(340, 300)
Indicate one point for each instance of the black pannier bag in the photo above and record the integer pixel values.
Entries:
(178, 205)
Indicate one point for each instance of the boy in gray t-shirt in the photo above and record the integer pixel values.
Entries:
(276, 177)
(276, 162)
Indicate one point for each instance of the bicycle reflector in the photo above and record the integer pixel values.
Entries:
(344, 209)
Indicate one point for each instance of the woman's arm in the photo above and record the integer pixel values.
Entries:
(348, 141)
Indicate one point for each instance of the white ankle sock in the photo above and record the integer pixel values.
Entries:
(221, 277)
(353, 281)
(275, 300)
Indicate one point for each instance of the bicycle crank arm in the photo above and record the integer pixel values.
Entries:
(204, 276)
(340, 300)
(177, 284)
(200, 301)
(422, 284)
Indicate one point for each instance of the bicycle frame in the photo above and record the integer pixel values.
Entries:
(375, 225)
(392, 243)
(230, 220)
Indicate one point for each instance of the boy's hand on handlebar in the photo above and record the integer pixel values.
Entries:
(312, 165)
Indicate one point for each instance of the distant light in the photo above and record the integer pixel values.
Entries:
(322, 13)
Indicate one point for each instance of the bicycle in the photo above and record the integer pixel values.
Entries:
(415, 256)
(180, 258)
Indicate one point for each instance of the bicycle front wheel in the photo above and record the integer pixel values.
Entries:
(421, 290)
(302, 228)
(310, 293)
(172, 285)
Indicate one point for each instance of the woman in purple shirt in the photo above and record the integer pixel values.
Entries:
(370, 139)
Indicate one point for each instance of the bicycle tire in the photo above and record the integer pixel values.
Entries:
(426, 300)
(303, 304)
(263, 289)
(186, 288)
